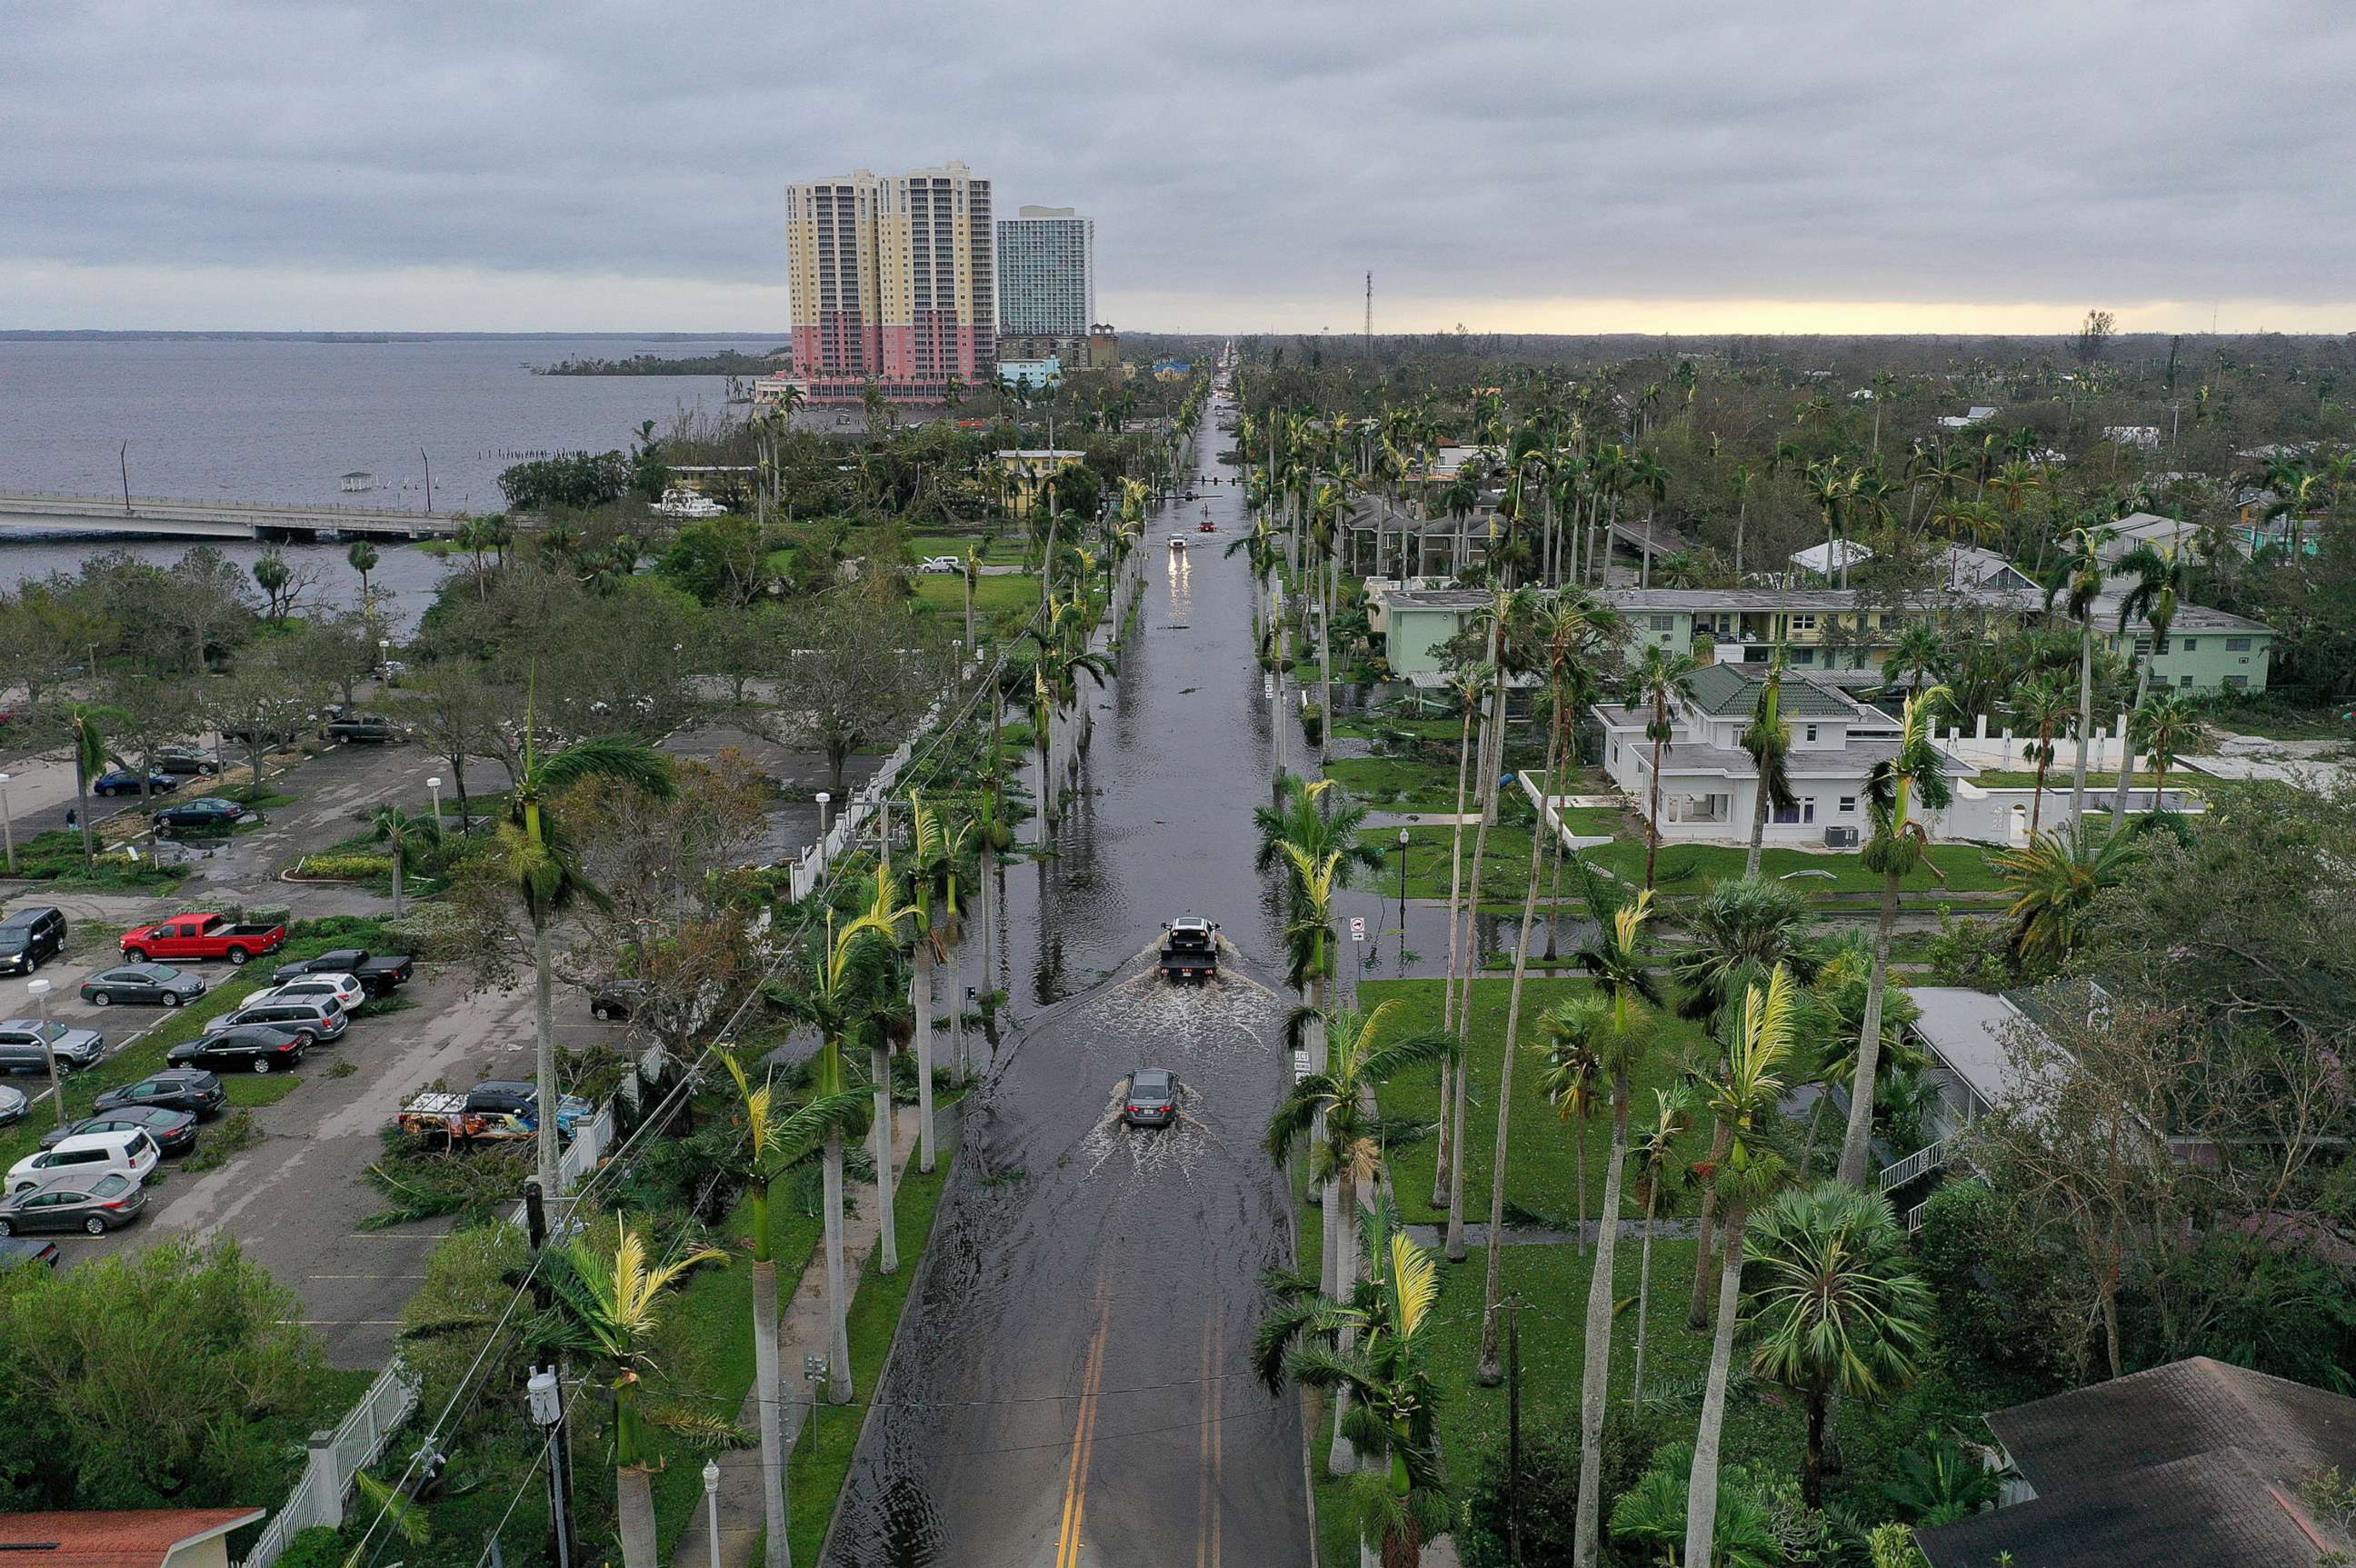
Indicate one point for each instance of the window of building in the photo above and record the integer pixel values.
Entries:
(1663, 623)
(1807, 807)
(2191, 643)
(1848, 804)
(2237, 683)
(2184, 680)
(1811, 732)
(1803, 656)
(2143, 646)
(1785, 814)
(2233, 645)
(1802, 623)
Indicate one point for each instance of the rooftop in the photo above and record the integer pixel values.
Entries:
(2196, 1462)
(1968, 1029)
(114, 1538)
(1725, 689)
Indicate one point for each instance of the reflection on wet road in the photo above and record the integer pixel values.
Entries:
(1072, 1385)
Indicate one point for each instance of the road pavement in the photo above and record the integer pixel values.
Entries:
(1071, 1383)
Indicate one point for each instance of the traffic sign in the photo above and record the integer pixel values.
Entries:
(1357, 928)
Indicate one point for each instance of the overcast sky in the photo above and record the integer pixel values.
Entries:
(1640, 165)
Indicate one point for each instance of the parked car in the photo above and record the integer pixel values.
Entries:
(315, 1018)
(96, 1207)
(490, 1113)
(940, 566)
(379, 974)
(187, 759)
(21, 1048)
(256, 1047)
(155, 984)
(12, 1105)
(175, 1132)
(202, 814)
(30, 938)
(15, 1253)
(345, 989)
(616, 999)
(366, 729)
(201, 936)
(128, 1154)
(1151, 1098)
(522, 1098)
(190, 1089)
(125, 782)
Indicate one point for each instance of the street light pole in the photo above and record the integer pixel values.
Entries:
(1402, 843)
(711, 1505)
(434, 784)
(38, 989)
(7, 824)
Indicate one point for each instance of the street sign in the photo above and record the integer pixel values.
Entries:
(1357, 928)
(1268, 686)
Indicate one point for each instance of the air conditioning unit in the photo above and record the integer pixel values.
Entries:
(1840, 838)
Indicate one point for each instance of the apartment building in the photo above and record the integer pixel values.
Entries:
(1047, 273)
(894, 282)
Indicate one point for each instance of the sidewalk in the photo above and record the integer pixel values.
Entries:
(801, 1330)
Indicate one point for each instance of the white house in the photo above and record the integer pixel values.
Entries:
(1979, 415)
(1829, 559)
(1709, 785)
(1971, 566)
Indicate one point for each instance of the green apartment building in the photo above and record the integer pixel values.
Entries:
(1833, 629)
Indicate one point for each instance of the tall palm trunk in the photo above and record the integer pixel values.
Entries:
(1594, 1383)
(633, 1504)
(2126, 748)
(887, 1241)
(2085, 721)
(1856, 1148)
(543, 1020)
(1491, 1372)
(1342, 1458)
(1448, 997)
(920, 1002)
(1653, 819)
(1758, 825)
(1643, 1295)
(2036, 798)
(1705, 1234)
(1328, 570)
(837, 1356)
(1701, 1486)
(1454, 1246)
(771, 1391)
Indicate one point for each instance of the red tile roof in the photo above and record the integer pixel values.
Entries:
(112, 1537)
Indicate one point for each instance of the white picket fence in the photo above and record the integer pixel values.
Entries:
(809, 870)
(335, 1458)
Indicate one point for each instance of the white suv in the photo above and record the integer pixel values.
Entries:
(88, 1156)
(345, 988)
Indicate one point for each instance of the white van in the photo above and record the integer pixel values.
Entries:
(131, 1154)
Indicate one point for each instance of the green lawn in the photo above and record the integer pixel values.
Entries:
(2057, 780)
(1542, 1154)
(991, 595)
(1394, 783)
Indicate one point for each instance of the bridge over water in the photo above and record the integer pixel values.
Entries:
(29, 513)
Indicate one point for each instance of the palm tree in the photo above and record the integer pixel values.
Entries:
(2161, 581)
(1569, 1083)
(1914, 776)
(1836, 1310)
(1337, 1108)
(846, 971)
(540, 863)
(2166, 725)
(1656, 1153)
(2080, 577)
(400, 831)
(2054, 880)
(940, 861)
(1401, 1494)
(1661, 676)
(363, 558)
(1742, 1100)
(885, 1020)
(1618, 1032)
(2041, 707)
(1448, 1160)
(609, 1307)
(775, 1143)
(1740, 932)
(1918, 654)
(1768, 738)
(1831, 487)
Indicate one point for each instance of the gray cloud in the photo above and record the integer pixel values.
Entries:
(1238, 157)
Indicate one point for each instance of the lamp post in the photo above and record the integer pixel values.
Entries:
(384, 658)
(38, 989)
(824, 800)
(547, 1398)
(711, 1505)
(7, 824)
(1402, 843)
(434, 784)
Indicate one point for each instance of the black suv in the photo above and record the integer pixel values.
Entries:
(30, 938)
(177, 1089)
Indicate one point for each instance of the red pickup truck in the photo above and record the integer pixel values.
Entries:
(201, 936)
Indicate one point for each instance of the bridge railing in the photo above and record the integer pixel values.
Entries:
(114, 503)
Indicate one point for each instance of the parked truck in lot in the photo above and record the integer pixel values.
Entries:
(494, 1111)
(1190, 950)
(201, 936)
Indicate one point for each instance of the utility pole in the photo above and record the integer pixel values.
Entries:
(123, 458)
(1370, 318)
(429, 478)
(549, 1401)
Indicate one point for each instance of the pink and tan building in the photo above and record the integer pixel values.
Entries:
(893, 283)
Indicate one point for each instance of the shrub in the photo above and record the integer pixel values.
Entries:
(344, 867)
(1312, 724)
(1549, 1488)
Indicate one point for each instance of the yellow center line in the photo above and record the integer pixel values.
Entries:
(1076, 1483)
(1214, 1361)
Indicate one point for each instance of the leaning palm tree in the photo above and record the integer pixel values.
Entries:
(1743, 1100)
(609, 1308)
(2040, 708)
(1835, 1311)
(1662, 677)
(776, 1141)
(1618, 1028)
(88, 761)
(537, 859)
(1401, 1491)
(401, 832)
(1656, 1153)
(1336, 1109)
(1913, 777)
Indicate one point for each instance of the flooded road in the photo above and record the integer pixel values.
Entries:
(1072, 1385)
